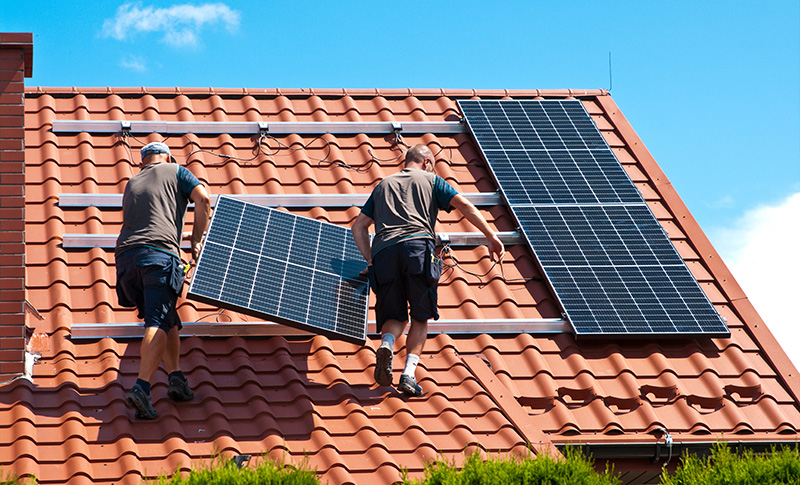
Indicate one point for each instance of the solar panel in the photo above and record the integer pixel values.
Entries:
(285, 268)
(547, 152)
(610, 263)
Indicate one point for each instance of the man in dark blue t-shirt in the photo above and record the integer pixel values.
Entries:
(150, 273)
(404, 270)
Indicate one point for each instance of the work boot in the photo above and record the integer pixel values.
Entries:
(179, 389)
(140, 400)
(408, 386)
(383, 364)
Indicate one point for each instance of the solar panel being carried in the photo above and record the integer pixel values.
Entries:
(285, 268)
(611, 265)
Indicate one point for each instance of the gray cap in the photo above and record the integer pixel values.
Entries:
(156, 147)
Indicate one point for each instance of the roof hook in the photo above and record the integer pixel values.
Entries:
(667, 442)
(239, 460)
(397, 127)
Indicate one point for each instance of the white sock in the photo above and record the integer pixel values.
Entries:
(411, 364)
(388, 338)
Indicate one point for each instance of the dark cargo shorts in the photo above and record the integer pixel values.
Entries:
(406, 275)
(151, 281)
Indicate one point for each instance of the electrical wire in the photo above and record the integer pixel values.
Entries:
(217, 316)
(262, 147)
(449, 269)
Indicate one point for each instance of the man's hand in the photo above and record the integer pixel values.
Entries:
(471, 213)
(496, 248)
(196, 247)
(202, 213)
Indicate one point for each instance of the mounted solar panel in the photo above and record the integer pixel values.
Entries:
(284, 268)
(611, 265)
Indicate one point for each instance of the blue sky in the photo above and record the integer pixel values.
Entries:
(712, 88)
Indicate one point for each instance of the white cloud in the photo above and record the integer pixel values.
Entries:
(178, 25)
(134, 63)
(762, 250)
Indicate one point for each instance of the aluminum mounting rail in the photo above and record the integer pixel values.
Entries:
(258, 328)
(454, 239)
(67, 127)
(114, 201)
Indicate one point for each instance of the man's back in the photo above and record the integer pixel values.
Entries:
(154, 207)
(405, 206)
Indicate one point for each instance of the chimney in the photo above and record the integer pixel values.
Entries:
(16, 63)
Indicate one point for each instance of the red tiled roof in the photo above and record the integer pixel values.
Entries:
(298, 396)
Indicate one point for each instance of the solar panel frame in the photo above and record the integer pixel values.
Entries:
(605, 269)
(285, 268)
(594, 236)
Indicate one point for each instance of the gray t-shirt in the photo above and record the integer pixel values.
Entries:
(405, 205)
(154, 207)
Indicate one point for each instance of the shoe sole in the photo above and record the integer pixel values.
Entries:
(383, 366)
(142, 411)
(409, 392)
(179, 396)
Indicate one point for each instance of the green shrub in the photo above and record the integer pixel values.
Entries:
(575, 469)
(12, 479)
(723, 467)
(222, 472)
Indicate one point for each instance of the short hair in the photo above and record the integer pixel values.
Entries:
(418, 153)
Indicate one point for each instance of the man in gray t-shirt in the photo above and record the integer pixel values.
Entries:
(150, 272)
(404, 272)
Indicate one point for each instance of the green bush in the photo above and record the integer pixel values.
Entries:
(14, 480)
(723, 467)
(222, 472)
(575, 469)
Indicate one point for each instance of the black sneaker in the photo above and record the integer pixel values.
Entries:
(179, 389)
(383, 365)
(140, 400)
(408, 386)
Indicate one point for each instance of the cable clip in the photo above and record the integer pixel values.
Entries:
(263, 128)
(126, 128)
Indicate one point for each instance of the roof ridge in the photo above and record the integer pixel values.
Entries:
(310, 92)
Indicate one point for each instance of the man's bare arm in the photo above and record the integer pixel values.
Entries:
(361, 235)
(202, 212)
(475, 218)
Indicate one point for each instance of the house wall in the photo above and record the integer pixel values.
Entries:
(16, 56)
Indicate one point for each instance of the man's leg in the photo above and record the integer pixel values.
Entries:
(179, 389)
(390, 331)
(173, 351)
(394, 328)
(417, 335)
(153, 346)
(415, 342)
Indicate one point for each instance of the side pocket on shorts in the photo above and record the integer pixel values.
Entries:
(177, 276)
(434, 267)
(373, 283)
(122, 298)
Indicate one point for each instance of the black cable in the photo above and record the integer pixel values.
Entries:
(218, 315)
(450, 269)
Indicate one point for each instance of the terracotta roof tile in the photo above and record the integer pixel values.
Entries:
(298, 397)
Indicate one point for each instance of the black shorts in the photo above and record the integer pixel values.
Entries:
(151, 281)
(406, 275)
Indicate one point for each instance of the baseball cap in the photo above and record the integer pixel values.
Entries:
(156, 147)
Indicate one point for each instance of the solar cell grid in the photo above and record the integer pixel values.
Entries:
(609, 261)
(281, 267)
(546, 152)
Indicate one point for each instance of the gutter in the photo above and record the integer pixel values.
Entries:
(663, 451)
